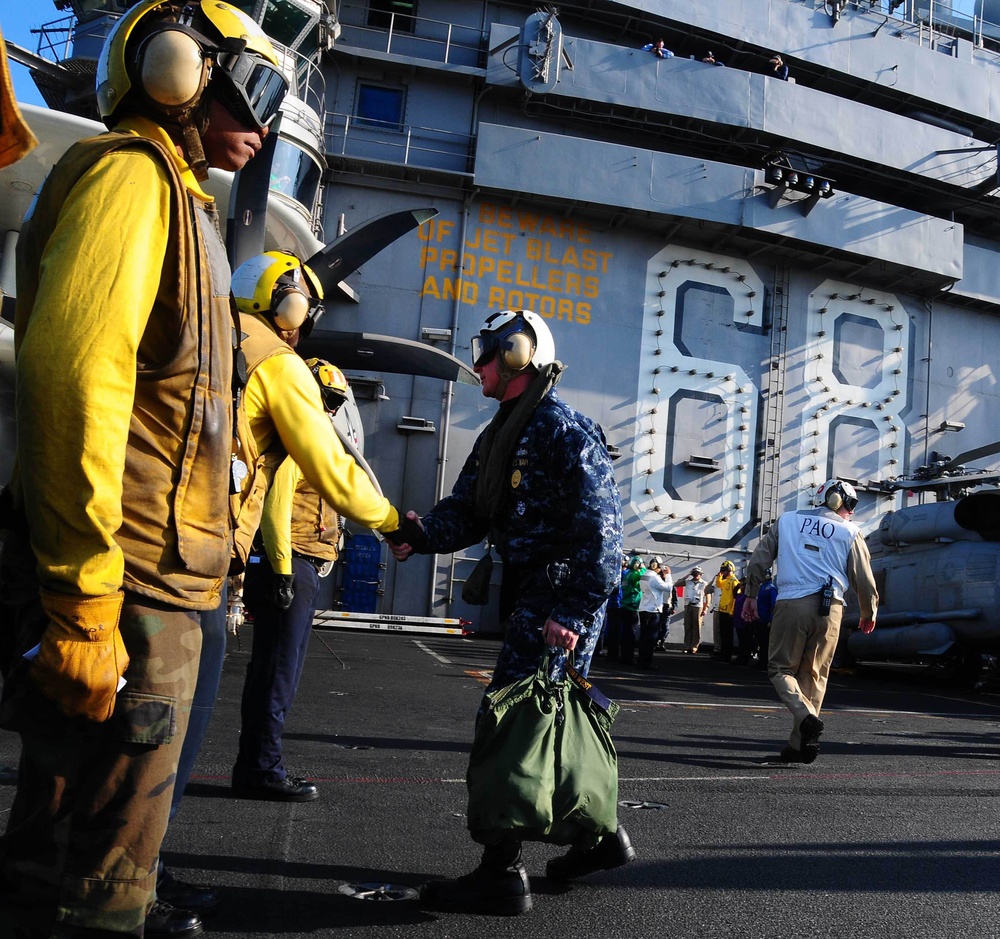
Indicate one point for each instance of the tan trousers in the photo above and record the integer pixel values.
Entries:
(799, 656)
(692, 626)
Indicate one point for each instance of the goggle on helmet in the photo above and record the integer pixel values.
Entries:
(520, 336)
(173, 51)
(332, 383)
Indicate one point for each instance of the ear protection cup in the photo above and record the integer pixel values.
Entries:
(834, 500)
(171, 68)
(289, 307)
(518, 356)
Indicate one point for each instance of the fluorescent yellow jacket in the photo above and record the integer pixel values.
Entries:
(124, 370)
(726, 586)
(297, 518)
(284, 413)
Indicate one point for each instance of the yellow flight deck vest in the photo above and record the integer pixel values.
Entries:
(260, 342)
(315, 526)
(175, 533)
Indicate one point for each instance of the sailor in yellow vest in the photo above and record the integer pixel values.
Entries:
(118, 533)
(283, 415)
(725, 584)
(301, 534)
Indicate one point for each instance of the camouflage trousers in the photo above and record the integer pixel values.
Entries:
(92, 801)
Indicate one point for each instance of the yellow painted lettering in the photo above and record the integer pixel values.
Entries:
(590, 287)
(487, 213)
(505, 272)
(533, 249)
(527, 222)
(430, 289)
(496, 298)
(490, 240)
(564, 306)
(547, 307)
(449, 260)
(555, 283)
(445, 228)
(589, 260)
(505, 217)
(573, 283)
(569, 258)
(486, 266)
(427, 254)
(548, 227)
(583, 313)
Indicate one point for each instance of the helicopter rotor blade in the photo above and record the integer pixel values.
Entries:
(347, 253)
(368, 351)
(247, 221)
(969, 455)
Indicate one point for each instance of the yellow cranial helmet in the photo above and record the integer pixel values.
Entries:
(165, 53)
(331, 381)
(280, 286)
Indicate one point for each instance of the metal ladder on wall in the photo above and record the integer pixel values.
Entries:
(774, 402)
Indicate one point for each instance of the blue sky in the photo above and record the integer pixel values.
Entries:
(17, 17)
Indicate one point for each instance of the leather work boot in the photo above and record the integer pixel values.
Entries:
(790, 755)
(810, 730)
(198, 898)
(611, 851)
(289, 789)
(164, 921)
(497, 887)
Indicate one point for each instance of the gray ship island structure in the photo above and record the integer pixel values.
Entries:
(758, 280)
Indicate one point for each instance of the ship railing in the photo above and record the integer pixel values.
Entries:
(939, 20)
(415, 36)
(405, 144)
(306, 79)
(58, 39)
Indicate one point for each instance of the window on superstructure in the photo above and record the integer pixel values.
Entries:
(392, 14)
(379, 106)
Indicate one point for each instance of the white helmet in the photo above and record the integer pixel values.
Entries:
(521, 337)
(835, 493)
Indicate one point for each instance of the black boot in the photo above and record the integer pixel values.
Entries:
(198, 898)
(164, 921)
(611, 851)
(497, 887)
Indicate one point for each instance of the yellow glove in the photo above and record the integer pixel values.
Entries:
(81, 657)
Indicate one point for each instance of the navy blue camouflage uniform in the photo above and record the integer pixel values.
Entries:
(558, 531)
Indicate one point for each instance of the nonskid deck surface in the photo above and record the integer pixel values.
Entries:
(892, 832)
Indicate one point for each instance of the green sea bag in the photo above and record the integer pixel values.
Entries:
(543, 766)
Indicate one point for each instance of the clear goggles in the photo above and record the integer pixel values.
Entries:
(485, 345)
(250, 86)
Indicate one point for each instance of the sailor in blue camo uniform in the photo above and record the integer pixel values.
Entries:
(559, 536)
(540, 485)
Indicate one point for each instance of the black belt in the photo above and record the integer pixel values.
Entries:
(316, 562)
